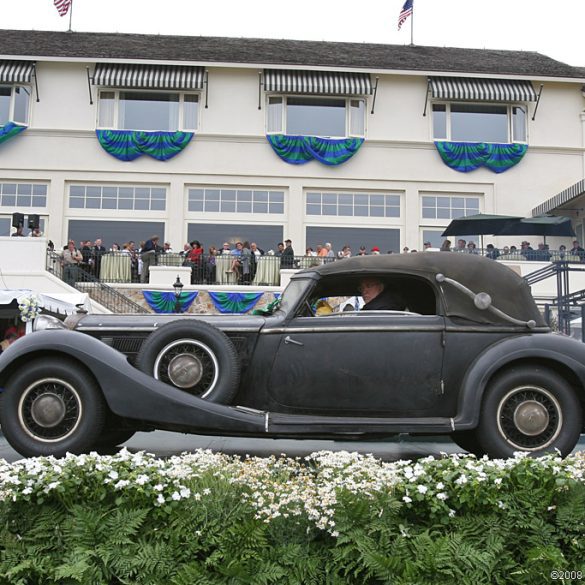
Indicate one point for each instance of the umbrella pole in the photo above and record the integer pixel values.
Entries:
(481, 238)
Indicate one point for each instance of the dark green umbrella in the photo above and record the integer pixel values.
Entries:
(544, 225)
(479, 224)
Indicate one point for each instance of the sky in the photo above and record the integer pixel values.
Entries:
(549, 27)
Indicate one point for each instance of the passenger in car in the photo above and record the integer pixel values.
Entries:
(379, 298)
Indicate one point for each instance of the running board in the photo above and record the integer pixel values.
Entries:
(277, 423)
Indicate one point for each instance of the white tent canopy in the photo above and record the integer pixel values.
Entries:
(63, 303)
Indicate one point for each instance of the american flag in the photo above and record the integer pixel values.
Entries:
(63, 6)
(404, 13)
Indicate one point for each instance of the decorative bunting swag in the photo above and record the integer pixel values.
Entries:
(165, 302)
(297, 150)
(10, 130)
(234, 302)
(127, 145)
(468, 156)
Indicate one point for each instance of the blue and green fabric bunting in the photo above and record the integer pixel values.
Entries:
(234, 302)
(165, 302)
(468, 156)
(298, 150)
(10, 130)
(127, 145)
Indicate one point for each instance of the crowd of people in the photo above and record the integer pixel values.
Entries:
(88, 255)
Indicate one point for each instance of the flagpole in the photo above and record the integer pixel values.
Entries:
(411, 25)
(70, 14)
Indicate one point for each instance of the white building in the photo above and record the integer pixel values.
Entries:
(81, 96)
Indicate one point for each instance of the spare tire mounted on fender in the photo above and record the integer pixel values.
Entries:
(194, 357)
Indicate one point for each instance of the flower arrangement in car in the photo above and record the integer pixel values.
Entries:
(29, 308)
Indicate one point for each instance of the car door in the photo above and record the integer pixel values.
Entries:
(374, 363)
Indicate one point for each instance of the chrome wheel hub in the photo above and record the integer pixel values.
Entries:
(48, 410)
(185, 370)
(531, 418)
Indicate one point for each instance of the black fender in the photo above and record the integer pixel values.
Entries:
(550, 347)
(128, 392)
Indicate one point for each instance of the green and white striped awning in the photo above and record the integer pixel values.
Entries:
(148, 76)
(317, 82)
(16, 71)
(482, 90)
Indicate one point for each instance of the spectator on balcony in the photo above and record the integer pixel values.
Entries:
(226, 249)
(279, 249)
(527, 250)
(18, 233)
(445, 246)
(246, 263)
(36, 233)
(148, 255)
(97, 251)
(562, 252)
(362, 251)
(185, 251)
(375, 250)
(310, 252)
(167, 248)
(471, 248)
(256, 250)
(492, 252)
(236, 266)
(577, 250)
(345, 252)
(405, 250)
(330, 252)
(194, 259)
(287, 258)
(427, 246)
(461, 246)
(542, 254)
(321, 251)
(71, 258)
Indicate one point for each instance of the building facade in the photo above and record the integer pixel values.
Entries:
(120, 137)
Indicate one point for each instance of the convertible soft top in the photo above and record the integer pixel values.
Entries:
(509, 292)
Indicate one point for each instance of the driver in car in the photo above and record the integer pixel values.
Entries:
(379, 298)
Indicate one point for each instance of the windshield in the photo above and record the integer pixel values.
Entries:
(292, 295)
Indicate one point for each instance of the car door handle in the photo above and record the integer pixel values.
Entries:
(289, 339)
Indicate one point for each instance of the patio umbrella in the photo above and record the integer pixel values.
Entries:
(479, 224)
(539, 226)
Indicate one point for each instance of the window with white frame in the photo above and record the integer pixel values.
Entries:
(20, 195)
(353, 204)
(148, 110)
(122, 197)
(472, 122)
(448, 206)
(235, 200)
(14, 104)
(316, 116)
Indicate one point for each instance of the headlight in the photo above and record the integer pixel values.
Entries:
(43, 322)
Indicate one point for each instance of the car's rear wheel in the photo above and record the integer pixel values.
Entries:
(194, 357)
(52, 407)
(529, 409)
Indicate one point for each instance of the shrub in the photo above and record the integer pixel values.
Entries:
(331, 518)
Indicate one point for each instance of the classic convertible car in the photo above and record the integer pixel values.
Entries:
(470, 356)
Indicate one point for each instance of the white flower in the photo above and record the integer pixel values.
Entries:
(442, 496)
(407, 499)
(422, 489)
(160, 499)
(142, 479)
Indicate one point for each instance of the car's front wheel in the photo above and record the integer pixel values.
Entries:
(52, 407)
(194, 357)
(529, 409)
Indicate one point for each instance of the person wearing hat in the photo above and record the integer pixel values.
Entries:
(375, 250)
(427, 246)
(287, 258)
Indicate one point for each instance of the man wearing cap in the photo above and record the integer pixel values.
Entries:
(427, 245)
(287, 258)
(375, 250)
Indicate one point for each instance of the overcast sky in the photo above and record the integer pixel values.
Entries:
(550, 27)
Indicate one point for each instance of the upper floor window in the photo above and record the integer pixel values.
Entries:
(328, 104)
(461, 122)
(448, 207)
(117, 197)
(14, 104)
(477, 109)
(316, 116)
(230, 200)
(353, 204)
(148, 110)
(23, 195)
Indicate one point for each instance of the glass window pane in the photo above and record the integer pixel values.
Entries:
(315, 116)
(109, 204)
(77, 190)
(39, 189)
(228, 195)
(92, 203)
(106, 109)
(330, 198)
(274, 115)
(94, 191)
(313, 197)
(518, 124)
(377, 200)
(148, 111)
(443, 213)
(260, 207)
(345, 199)
(24, 189)
(329, 209)
(195, 205)
(361, 199)
(260, 195)
(228, 206)
(158, 193)
(211, 205)
(244, 195)
(244, 207)
(440, 121)
(376, 212)
(458, 201)
(195, 194)
(313, 209)
(429, 213)
(21, 101)
(360, 211)
(158, 204)
(141, 204)
(126, 193)
(479, 123)
(5, 97)
(126, 204)
(142, 193)
(212, 194)
(429, 201)
(76, 202)
(39, 201)
(392, 211)
(9, 200)
(276, 196)
(23, 200)
(346, 210)
(443, 202)
(357, 117)
(190, 109)
(276, 207)
(9, 188)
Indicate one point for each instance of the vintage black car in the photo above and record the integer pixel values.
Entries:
(470, 357)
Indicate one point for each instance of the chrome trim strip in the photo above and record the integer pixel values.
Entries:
(452, 424)
(266, 421)
(346, 329)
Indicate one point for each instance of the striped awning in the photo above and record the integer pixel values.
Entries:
(148, 76)
(483, 90)
(16, 71)
(317, 82)
(565, 196)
